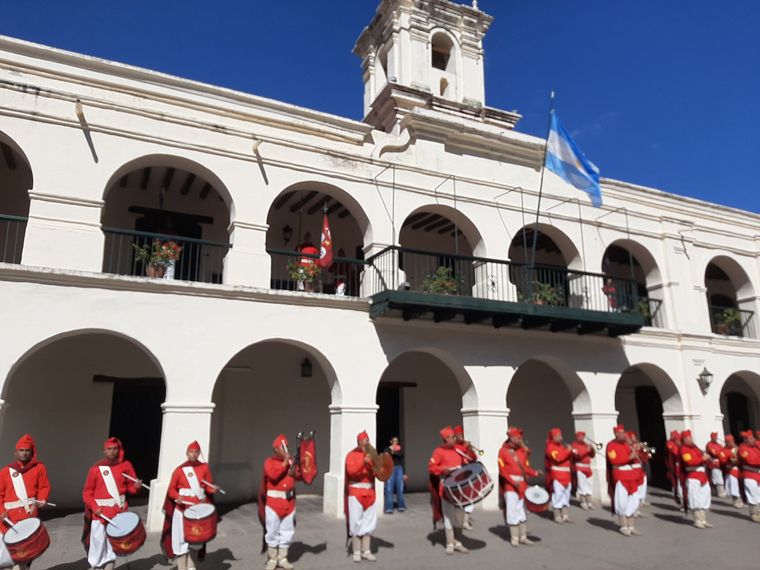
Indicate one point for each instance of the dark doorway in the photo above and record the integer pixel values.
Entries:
(136, 419)
(652, 430)
(737, 406)
(388, 414)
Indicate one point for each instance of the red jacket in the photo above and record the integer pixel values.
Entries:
(514, 466)
(694, 464)
(749, 459)
(714, 450)
(558, 464)
(95, 487)
(621, 461)
(278, 479)
(730, 461)
(358, 470)
(181, 490)
(34, 477)
(583, 453)
(443, 459)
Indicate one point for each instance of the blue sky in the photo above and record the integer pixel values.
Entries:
(664, 93)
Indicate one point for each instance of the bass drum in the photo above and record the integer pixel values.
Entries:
(537, 499)
(26, 540)
(199, 523)
(125, 533)
(467, 485)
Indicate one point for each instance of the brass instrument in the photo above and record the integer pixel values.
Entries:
(598, 446)
(475, 449)
(647, 449)
(382, 463)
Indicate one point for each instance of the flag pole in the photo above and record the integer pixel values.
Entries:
(541, 183)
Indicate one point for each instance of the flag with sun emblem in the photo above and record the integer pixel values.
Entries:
(326, 245)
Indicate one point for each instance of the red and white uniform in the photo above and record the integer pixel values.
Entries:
(105, 490)
(559, 476)
(279, 496)
(514, 469)
(694, 469)
(360, 492)
(714, 450)
(444, 459)
(623, 477)
(749, 461)
(729, 458)
(583, 454)
(465, 449)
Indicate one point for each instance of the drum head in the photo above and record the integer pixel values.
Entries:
(200, 511)
(537, 495)
(463, 474)
(21, 531)
(123, 524)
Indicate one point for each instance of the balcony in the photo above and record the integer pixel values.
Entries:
(416, 284)
(730, 321)
(12, 230)
(293, 271)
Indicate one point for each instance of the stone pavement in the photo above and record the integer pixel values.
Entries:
(407, 541)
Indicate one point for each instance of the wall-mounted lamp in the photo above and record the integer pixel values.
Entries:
(704, 379)
(306, 368)
(287, 234)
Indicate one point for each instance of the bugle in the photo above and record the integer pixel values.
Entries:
(598, 446)
(476, 449)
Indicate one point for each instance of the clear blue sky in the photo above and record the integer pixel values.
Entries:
(664, 93)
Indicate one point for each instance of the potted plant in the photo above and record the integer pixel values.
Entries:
(643, 308)
(442, 282)
(157, 256)
(305, 274)
(545, 294)
(729, 321)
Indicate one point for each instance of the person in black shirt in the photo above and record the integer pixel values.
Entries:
(396, 483)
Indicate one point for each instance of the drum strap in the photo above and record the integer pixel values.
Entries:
(192, 480)
(107, 473)
(20, 488)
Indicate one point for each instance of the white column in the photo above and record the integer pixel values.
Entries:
(598, 427)
(183, 423)
(247, 262)
(486, 428)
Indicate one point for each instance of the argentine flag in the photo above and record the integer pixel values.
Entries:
(565, 159)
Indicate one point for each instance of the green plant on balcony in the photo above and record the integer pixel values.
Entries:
(442, 282)
(643, 308)
(543, 294)
(304, 272)
(157, 256)
(729, 321)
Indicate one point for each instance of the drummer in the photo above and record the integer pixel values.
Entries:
(24, 488)
(445, 459)
(465, 447)
(104, 495)
(191, 484)
(514, 470)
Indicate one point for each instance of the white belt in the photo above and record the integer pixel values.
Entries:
(20, 504)
(110, 502)
(559, 468)
(361, 485)
(191, 493)
(583, 464)
(623, 467)
(277, 494)
(636, 465)
(517, 478)
(695, 469)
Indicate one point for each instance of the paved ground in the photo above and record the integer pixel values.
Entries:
(407, 541)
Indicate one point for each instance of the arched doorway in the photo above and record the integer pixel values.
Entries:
(740, 403)
(268, 388)
(15, 182)
(730, 298)
(644, 398)
(293, 239)
(72, 392)
(156, 200)
(419, 393)
(626, 259)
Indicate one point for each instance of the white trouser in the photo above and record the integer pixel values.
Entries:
(716, 476)
(752, 490)
(280, 532)
(453, 516)
(625, 505)
(732, 486)
(179, 546)
(515, 508)
(5, 556)
(361, 521)
(469, 509)
(642, 492)
(585, 485)
(561, 495)
(100, 552)
(699, 495)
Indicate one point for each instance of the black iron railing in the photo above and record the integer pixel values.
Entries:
(652, 311)
(12, 231)
(293, 271)
(730, 321)
(199, 260)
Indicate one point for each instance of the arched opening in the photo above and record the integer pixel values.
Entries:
(87, 386)
(157, 202)
(543, 396)
(268, 388)
(418, 394)
(15, 182)
(443, 63)
(645, 397)
(293, 240)
(626, 259)
(740, 403)
(730, 298)
(437, 245)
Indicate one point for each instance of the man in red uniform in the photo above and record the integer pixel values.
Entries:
(749, 462)
(640, 469)
(673, 464)
(445, 459)
(714, 449)
(623, 480)
(24, 488)
(104, 494)
(730, 461)
(191, 483)
(514, 470)
(559, 477)
(464, 446)
(360, 507)
(695, 463)
(583, 454)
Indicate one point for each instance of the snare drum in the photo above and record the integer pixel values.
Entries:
(467, 485)
(536, 499)
(199, 523)
(126, 533)
(26, 540)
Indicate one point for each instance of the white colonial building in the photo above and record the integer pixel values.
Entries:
(458, 305)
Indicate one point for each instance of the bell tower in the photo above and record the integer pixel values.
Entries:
(433, 47)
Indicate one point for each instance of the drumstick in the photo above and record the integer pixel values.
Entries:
(45, 503)
(105, 518)
(217, 487)
(7, 521)
(135, 480)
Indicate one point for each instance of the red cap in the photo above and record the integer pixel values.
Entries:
(514, 431)
(279, 441)
(730, 437)
(459, 430)
(618, 429)
(361, 436)
(675, 434)
(554, 432)
(747, 434)
(714, 435)
(26, 442)
(446, 432)
(580, 434)
(685, 433)
(115, 442)
(194, 446)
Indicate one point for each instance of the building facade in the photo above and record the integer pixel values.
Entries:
(448, 301)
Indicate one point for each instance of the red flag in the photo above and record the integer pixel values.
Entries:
(308, 460)
(326, 245)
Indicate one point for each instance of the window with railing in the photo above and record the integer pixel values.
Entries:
(731, 321)
(294, 271)
(12, 231)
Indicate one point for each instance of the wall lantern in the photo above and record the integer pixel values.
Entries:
(306, 368)
(287, 234)
(705, 378)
